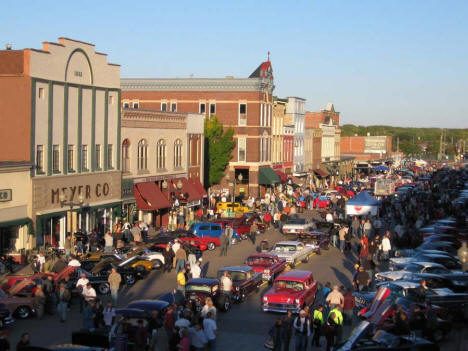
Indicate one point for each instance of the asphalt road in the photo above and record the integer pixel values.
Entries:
(244, 327)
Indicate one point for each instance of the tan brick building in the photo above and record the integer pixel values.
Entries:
(242, 103)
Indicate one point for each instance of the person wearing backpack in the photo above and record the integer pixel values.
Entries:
(317, 325)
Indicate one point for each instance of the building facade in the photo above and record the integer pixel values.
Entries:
(69, 126)
(244, 104)
(277, 130)
(288, 149)
(295, 110)
(162, 157)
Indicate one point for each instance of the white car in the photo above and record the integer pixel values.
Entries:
(297, 225)
(156, 257)
(292, 251)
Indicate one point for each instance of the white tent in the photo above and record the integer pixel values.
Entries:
(363, 204)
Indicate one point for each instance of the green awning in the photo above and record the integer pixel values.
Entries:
(21, 221)
(267, 176)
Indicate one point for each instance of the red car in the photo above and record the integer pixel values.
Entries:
(268, 264)
(321, 202)
(291, 291)
(238, 224)
(13, 280)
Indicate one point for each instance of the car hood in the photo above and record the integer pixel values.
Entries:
(284, 254)
(401, 260)
(282, 295)
(392, 275)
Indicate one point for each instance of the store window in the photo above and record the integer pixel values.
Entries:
(56, 158)
(142, 155)
(161, 154)
(178, 153)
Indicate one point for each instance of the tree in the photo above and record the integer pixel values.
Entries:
(219, 144)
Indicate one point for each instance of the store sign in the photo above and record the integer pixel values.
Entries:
(127, 188)
(5, 195)
(375, 144)
(72, 193)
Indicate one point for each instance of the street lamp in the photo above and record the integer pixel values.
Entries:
(71, 204)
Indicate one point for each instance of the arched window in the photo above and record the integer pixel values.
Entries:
(126, 156)
(142, 155)
(161, 154)
(178, 153)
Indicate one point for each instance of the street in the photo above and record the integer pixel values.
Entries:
(244, 327)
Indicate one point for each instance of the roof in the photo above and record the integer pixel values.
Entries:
(264, 70)
(236, 269)
(330, 107)
(203, 281)
(295, 274)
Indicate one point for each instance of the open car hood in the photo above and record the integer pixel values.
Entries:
(20, 286)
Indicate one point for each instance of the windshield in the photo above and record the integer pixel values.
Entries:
(285, 248)
(288, 284)
(200, 288)
(296, 221)
(413, 268)
(259, 261)
(234, 275)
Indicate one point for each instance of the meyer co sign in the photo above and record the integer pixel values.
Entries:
(72, 193)
(5, 195)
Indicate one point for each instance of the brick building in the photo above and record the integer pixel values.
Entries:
(242, 103)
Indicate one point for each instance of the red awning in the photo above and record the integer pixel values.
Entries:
(198, 185)
(282, 176)
(149, 197)
(188, 188)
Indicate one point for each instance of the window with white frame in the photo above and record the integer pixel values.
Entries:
(40, 159)
(261, 114)
(126, 104)
(97, 156)
(56, 158)
(202, 108)
(142, 155)
(136, 105)
(161, 154)
(71, 158)
(173, 106)
(242, 114)
(110, 156)
(164, 106)
(178, 153)
(212, 108)
(241, 149)
(84, 158)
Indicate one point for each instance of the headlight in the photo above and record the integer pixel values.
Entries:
(298, 301)
(266, 271)
(265, 299)
(237, 288)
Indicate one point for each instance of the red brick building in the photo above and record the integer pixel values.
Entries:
(367, 144)
(288, 149)
(242, 103)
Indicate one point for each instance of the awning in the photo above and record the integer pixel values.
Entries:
(267, 176)
(282, 176)
(198, 185)
(149, 197)
(321, 172)
(188, 188)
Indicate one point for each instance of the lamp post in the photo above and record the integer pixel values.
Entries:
(71, 204)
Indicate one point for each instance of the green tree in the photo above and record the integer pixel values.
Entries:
(219, 144)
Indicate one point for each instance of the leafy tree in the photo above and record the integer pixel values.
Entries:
(219, 144)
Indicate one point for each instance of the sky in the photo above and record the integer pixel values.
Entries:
(381, 62)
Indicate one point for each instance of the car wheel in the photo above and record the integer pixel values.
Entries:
(157, 264)
(244, 236)
(223, 303)
(103, 288)
(211, 246)
(306, 259)
(129, 279)
(243, 295)
(23, 312)
(140, 268)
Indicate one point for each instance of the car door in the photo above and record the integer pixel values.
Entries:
(215, 230)
(204, 230)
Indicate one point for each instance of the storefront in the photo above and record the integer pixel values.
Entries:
(70, 204)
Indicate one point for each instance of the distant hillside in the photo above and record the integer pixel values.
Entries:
(423, 142)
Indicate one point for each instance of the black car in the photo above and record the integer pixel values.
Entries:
(448, 261)
(128, 273)
(98, 281)
(436, 281)
(318, 240)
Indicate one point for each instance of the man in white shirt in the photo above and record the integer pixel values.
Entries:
(195, 270)
(175, 246)
(210, 328)
(81, 284)
(302, 327)
(88, 292)
(329, 218)
(226, 284)
(74, 262)
(386, 246)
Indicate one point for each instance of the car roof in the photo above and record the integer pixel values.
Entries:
(263, 255)
(236, 269)
(288, 242)
(148, 305)
(404, 284)
(428, 264)
(203, 281)
(295, 275)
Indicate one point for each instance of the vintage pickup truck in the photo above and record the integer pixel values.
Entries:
(244, 281)
(269, 265)
(292, 251)
(291, 291)
(422, 267)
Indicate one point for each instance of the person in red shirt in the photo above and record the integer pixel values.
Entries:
(184, 344)
(348, 306)
(267, 219)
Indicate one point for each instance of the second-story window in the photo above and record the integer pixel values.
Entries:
(110, 156)
(202, 108)
(161, 154)
(212, 109)
(142, 155)
(242, 114)
(126, 156)
(173, 107)
(40, 159)
(241, 149)
(71, 158)
(84, 158)
(136, 105)
(164, 106)
(56, 158)
(97, 157)
(178, 153)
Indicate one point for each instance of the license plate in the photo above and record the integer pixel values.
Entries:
(293, 230)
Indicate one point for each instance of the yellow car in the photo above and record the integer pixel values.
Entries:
(139, 263)
(232, 207)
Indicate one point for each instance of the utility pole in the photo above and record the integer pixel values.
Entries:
(398, 144)
(440, 144)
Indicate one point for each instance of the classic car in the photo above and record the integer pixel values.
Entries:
(129, 274)
(21, 305)
(455, 303)
(436, 281)
(297, 225)
(234, 207)
(131, 258)
(362, 339)
(244, 281)
(447, 260)
(185, 236)
(269, 265)
(250, 217)
(315, 239)
(126, 322)
(422, 267)
(291, 291)
(5, 316)
(292, 251)
(98, 281)
(446, 246)
(240, 227)
(321, 201)
(213, 231)
(199, 289)
(12, 280)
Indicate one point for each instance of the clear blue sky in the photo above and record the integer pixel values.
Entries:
(394, 62)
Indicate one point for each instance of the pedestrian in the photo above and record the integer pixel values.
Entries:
(168, 255)
(23, 343)
(417, 321)
(181, 280)
(364, 253)
(338, 319)
(36, 265)
(342, 236)
(195, 270)
(88, 293)
(68, 244)
(208, 307)
(224, 242)
(331, 331)
(335, 298)
(160, 340)
(355, 273)
(226, 284)
(4, 343)
(348, 307)
(301, 326)
(367, 228)
(317, 325)
(229, 234)
(210, 328)
(180, 257)
(362, 279)
(80, 285)
(275, 334)
(63, 298)
(98, 314)
(287, 329)
(198, 338)
(144, 231)
(191, 257)
(136, 233)
(355, 227)
(39, 302)
(108, 315)
(88, 315)
(141, 336)
(184, 344)
(253, 232)
(108, 241)
(114, 280)
(386, 246)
